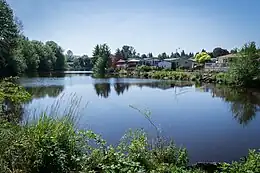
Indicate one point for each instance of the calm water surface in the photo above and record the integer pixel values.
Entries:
(213, 123)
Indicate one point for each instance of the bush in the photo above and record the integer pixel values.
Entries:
(144, 68)
(244, 70)
(249, 164)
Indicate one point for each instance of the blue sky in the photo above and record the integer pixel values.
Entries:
(148, 25)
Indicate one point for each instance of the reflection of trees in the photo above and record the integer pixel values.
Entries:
(243, 103)
(164, 85)
(121, 87)
(102, 89)
(39, 92)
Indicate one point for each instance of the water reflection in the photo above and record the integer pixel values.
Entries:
(120, 88)
(103, 89)
(43, 91)
(244, 103)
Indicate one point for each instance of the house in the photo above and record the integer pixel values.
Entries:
(218, 67)
(220, 64)
(150, 61)
(165, 64)
(133, 62)
(186, 63)
(169, 63)
(226, 58)
(172, 63)
(121, 64)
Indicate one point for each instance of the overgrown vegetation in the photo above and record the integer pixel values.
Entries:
(244, 69)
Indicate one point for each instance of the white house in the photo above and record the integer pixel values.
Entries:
(150, 61)
(165, 64)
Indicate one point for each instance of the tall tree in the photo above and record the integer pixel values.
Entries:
(103, 60)
(202, 57)
(203, 50)
(9, 33)
(69, 56)
(183, 53)
(59, 60)
(95, 55)
(143, 56)
(128, 52)
(150, 55)
(219, 52)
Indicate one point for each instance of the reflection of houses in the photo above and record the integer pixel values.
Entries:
(220, 64)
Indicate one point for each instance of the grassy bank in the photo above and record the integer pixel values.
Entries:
(178, 75)
(55, 145)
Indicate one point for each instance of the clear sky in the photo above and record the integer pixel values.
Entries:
(148, 25)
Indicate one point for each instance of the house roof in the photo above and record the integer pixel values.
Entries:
(154, 59)
(192, 59)
(121, 61)
(134, 60)
(228, 56)
(171, 59)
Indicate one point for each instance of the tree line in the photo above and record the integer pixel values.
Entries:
(20, 55)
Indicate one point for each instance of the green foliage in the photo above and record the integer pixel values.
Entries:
(18, 54)
(47, 146)
(10, 91)
(9, 31)
(202, 57)
(251, 164)
(11, 98)
(96, 54)
(59, 60)
(173, 75)
(219, 52)
(128, 52)
(244, 69)
(144, 68)
(103, 61)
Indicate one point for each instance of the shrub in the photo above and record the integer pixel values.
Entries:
(249, 164)
(244, 69)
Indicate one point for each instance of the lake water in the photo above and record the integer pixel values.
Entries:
(213, 123)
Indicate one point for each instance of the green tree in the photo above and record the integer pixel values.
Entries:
(202, 57)
(244, 69)
(219, 52)
(128, 52)
(46, 55)
(27, 50)
(95, 55)
(9, 33)
(103, 61)
(59, 60)
(69, 56)
(150, 55)
(143, 56)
